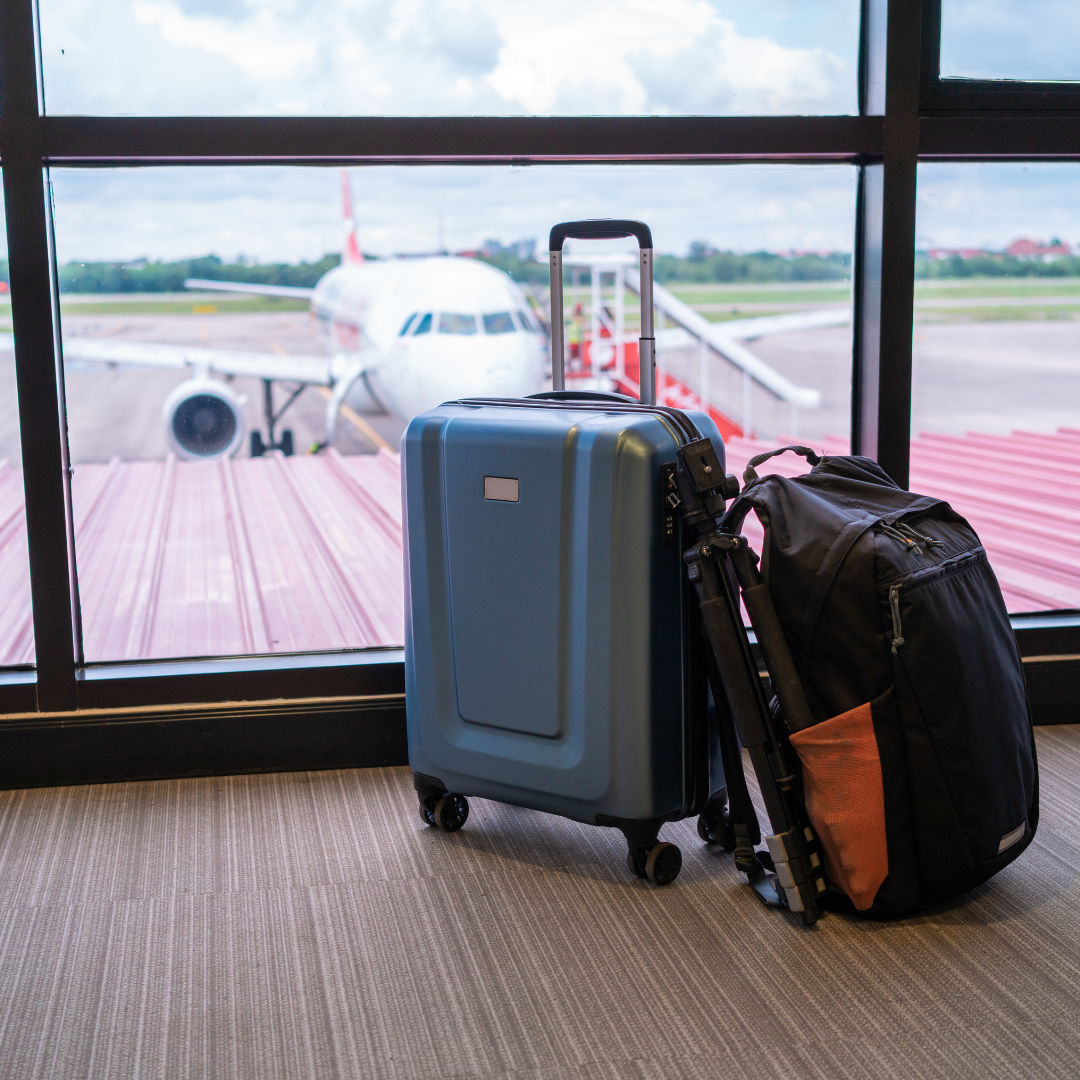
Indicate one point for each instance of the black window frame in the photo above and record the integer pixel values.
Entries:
(69, 721)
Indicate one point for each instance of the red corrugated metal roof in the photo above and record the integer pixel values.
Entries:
(258, 555)
(282, 554)
(1021, 493)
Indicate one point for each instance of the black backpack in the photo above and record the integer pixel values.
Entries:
(918, 760)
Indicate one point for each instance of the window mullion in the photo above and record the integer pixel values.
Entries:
(46, 478)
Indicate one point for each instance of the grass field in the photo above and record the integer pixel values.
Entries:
(169, 304)
(695, 294)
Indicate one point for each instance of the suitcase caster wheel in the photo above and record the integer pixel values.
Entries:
(727, 835)
(663, 863)
(451, 812)
(706, 830)
(632, 864)
(427, 815)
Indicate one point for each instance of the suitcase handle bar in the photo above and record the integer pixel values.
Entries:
(599, 229)
(604, 229)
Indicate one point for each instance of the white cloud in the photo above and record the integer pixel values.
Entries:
(1010, 39)
(261, 46)
(409, 57)
(992, 204)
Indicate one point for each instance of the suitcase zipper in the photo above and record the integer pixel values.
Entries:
(894, 603)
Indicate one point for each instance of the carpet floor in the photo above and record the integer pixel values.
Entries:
(309, 925)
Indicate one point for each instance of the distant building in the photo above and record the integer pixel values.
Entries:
(1037, 250)
(798, 253)
(960, 253)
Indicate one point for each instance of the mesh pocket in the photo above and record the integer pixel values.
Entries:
(846, 801)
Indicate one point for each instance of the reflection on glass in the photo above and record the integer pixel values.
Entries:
(449, 57)
(1010, 39)
(241, 362)
(16, 627)
(996, 379)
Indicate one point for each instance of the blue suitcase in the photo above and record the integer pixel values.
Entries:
(554, 656)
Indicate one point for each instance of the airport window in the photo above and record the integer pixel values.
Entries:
(17, 628)
(1031, 40)
(996, 374)
(490, 58)
(217, 513)
(753, 140)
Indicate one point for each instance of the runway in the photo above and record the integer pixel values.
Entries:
(991, 377)
(116, 412)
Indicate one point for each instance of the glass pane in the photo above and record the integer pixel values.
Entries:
(449, 57)
(185, 552)
(1010, 39)
(996, 392)
(16, 625)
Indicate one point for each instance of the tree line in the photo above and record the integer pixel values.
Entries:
(702, 264)
(979, 266)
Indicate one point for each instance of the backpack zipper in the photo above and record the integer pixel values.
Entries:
(894, 603)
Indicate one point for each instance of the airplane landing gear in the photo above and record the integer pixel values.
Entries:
(285, 445)
(258, 447)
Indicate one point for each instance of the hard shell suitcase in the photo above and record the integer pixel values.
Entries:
(554, 656)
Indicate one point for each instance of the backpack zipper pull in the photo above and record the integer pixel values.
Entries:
(906, 541)
(894, 603)
(929, 541)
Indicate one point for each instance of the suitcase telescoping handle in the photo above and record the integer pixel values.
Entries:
(605, 229)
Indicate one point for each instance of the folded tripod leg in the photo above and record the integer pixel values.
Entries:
(719, 565)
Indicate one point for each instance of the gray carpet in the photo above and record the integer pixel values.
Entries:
(309, 925)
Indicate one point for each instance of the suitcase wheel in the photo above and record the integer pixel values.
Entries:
(427, 813)
(717, 832)
(660, 864)
(451, 812)
(663, 863)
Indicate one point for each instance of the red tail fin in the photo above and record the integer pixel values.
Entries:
(351, 252)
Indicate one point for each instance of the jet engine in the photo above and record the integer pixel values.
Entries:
(204, 420)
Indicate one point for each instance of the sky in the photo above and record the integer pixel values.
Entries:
(288, 214)
(155, 57)
(449, 57)
(1010, 39)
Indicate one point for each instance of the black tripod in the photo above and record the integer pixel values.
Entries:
(722, 568)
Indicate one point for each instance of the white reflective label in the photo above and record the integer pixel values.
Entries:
(1011, 837)
(501, 488)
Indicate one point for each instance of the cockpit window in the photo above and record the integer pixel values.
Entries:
(499, 323)
(424, 325)
(408, 323)
(527, 323)
(451, 323)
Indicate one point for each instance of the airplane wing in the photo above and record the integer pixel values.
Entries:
(257, 365)
(748, 329)
(204, 284)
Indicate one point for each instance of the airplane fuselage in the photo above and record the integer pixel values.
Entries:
(428, 330)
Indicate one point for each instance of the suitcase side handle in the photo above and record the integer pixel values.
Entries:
(604, 229)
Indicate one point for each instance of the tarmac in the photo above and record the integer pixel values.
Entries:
(990, 377)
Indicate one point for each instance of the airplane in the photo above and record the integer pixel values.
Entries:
(402, 335)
